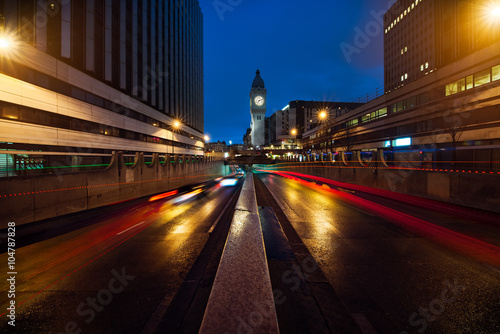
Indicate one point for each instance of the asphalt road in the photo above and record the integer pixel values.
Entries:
(340, 262)
(113, 275)
(390, 277)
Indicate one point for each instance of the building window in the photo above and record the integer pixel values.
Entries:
(123, 45)
(469, 82)
(66, 29)
(495, 73)
(482, 78)
(90, 19)
(455, 87)
(107, 40)
(426, 65)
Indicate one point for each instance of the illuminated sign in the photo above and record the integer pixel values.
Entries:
(402, 142)
(398, 142)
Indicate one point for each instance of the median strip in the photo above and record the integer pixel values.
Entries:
(241, 299)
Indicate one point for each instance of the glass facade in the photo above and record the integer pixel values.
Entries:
(149, 49)
(477, 79)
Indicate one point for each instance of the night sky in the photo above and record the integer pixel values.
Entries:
(297, 48)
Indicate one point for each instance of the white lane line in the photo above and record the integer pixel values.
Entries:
(221, 213)
(491, 267)
(358, 209)
(131, 227)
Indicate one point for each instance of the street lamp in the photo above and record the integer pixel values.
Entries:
(294, 132)
(4, 43)
(322, 115)
(7, 42)
(492, 13)
(207, 138)
(177, 124)
(495, 11)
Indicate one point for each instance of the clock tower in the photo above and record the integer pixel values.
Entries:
(258, 105)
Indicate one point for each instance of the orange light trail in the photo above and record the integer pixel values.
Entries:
(165, 195)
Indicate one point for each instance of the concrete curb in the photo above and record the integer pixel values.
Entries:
(241, 300)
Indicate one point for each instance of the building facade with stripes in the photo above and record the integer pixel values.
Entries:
(92, 77)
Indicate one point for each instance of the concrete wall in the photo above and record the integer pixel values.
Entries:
(33, 198)
(475, 190)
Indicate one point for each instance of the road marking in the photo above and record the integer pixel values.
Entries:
(358, 209)
(131, 227)
(490, 267)
(222, 212)
(363, 323)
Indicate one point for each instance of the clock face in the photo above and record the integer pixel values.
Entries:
(259, 100)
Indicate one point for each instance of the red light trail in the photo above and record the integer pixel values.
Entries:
(474, 248)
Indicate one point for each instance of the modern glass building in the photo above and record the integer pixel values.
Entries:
(100, 76)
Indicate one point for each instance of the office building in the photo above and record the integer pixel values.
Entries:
(421, 36)
(100, 76)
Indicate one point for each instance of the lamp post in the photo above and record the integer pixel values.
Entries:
(293, 132)
(323, 117)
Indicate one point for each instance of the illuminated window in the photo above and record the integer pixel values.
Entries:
(406, 75)
(400, 106)
(406, 49)
(416, 2)
(386, 31)
(426, 65)
(495, 71)
(455, 87)
(412, 5)
(401, 51)
(405, 11)
(421, 67)
(352, 122)
(402, 78)
(469, 82)
(482, 78)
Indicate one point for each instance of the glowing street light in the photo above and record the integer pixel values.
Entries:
(7, 42)
(4, 43)
(177, 124)
(322, 114)
(495, 11)
(207, 138)
(492, 13)
(294, 132)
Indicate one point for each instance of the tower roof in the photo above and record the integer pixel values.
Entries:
(258, 82)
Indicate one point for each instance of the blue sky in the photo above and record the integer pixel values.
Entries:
(332, 51)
